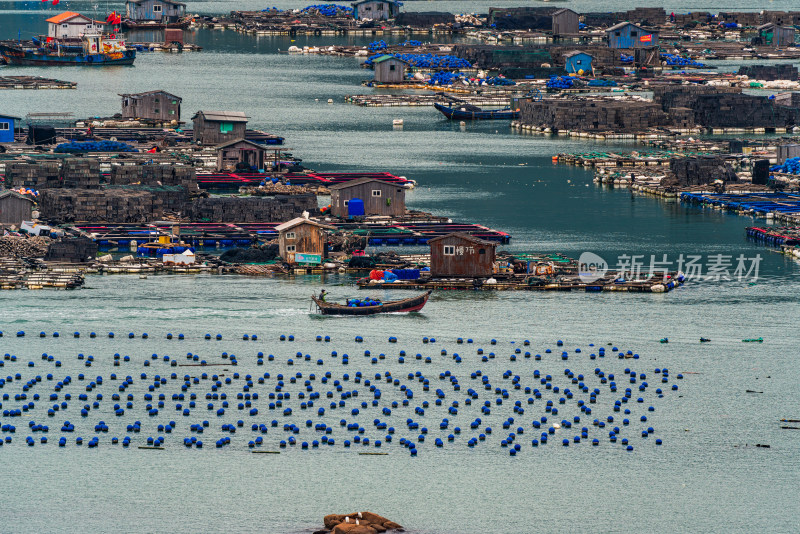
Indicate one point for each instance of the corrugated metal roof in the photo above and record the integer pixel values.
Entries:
(7, 193)
(301, 220)
(467, 237)
(353, 183)
(227, 116)
(137, 2)
(354, 4)
(622, 25)
(387, 57)
(237, 141)
(157, 91)
(576, 52)
(10, 117)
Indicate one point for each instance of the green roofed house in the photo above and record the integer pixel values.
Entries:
(389, 69)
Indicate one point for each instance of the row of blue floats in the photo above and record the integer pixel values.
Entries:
(145, 335)
(317, 407)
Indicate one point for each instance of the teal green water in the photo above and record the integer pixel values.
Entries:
(703, 478)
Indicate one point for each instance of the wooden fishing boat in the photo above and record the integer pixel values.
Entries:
(96, 50)
(466, 112)
(397, 306)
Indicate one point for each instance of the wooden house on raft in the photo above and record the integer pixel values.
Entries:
(217, 127)
(460, 254)
(367, 196)
(303, 241)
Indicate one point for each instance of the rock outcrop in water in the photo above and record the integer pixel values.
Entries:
(358, 523)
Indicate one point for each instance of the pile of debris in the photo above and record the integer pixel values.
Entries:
(23, 247)
(279, 188)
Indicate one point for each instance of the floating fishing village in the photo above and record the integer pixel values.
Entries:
(249, 250)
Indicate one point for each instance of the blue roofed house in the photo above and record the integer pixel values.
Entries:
(163, 11)
(7, 123)
(629, 35)
(375, 9)
(577, 62)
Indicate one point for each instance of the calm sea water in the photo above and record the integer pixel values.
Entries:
(703, 478)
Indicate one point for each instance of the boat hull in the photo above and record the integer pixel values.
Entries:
(458, 115)
(146, 25)
(412, 304)
(26, 58)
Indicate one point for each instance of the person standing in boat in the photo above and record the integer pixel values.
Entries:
(322, 295)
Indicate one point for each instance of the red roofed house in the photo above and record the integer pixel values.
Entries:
(71, 25)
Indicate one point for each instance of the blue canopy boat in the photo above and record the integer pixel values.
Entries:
(462, 112)
(97, 50)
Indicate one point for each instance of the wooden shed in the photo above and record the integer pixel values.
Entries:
(565, 21)
(217, 127)
(630, 35)
(155, 105)
(778, 36)
(379, 198)
(389, 69)
(460, 254)
(7, 127)
(375, 9)
(302, 240)
(14, 208)
(240, 151)
(578, 62)
(163, 11)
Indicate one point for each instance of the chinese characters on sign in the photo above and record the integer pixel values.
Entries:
(713, 267)
(716, 267)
